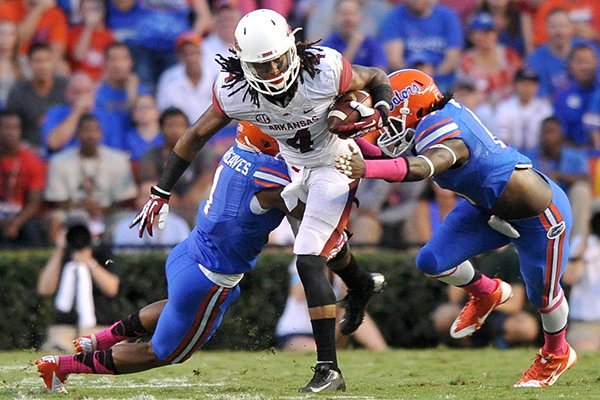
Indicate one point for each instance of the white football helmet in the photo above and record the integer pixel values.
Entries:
(266, 47)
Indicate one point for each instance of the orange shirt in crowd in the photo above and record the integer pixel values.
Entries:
(52, 27)
(579, 12)
(19, 175)
(93, 61)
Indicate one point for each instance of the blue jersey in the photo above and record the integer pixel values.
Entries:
(482, 179)
(228, 235)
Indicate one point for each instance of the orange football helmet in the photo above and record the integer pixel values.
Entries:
(413, 95)
(250, 136)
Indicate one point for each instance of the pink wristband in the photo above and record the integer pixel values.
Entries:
(392, 170)
(368, 149)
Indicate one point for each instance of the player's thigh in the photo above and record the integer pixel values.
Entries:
(463, 234)
(330, 196)
(194, 309)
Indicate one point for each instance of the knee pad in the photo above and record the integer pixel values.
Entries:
(427, 262)
(317, 288)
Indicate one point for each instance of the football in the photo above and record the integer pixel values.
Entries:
(341, 112)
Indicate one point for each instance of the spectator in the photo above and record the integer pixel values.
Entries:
(591, 121)
(174, 232)
(226, 16)
(568, 168)
(146, 134)
(10, 70)
(550, 59)
(583, 275)
(514, 27)
(510, 324)
(39, 21)
(89, 177)
(118, 91)
(349, 40)
(572, 103)
(316, 16)
(294, 332)
(158, 29)
(123, 18)
(423, 26)
(59, 129)
(84, 282)
(491, 64)
(185, 85)
(88, 41)
(585, 15)
(22, 180)
(519, 117)
(33, 98)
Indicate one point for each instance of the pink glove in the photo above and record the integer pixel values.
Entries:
(157, 204)
(371, 120)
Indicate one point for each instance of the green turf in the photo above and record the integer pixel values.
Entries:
(398, 374)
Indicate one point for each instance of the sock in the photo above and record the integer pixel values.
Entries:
(324, 333)
(556, 343)
(129, 327)
(481, 285)
(98, 362)
(354, 276)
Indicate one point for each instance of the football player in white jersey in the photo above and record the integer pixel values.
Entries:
(286, 88)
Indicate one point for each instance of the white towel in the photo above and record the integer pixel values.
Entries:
(76, 283)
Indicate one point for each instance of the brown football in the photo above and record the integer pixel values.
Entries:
(341, 112)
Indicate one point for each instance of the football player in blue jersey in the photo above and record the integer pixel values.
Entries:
(432, 135)
(203, 272)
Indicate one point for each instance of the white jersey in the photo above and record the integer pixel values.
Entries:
(300, 128)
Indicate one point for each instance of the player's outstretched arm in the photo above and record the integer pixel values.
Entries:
(434, 161)
(184, 152)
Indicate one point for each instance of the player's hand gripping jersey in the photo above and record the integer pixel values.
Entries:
(231, 227)
(301, 126)
(483, 178)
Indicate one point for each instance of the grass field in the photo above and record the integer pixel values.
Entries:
(398, 374)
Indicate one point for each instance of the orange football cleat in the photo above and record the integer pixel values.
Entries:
(546, 369)
(477, 309)
(48, 368)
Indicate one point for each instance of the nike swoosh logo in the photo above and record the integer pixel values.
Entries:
(308, 110)
(481, 320)
(372, 123)
(320, 388)
(549, 379)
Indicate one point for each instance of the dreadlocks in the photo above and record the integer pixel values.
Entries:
(309, 59)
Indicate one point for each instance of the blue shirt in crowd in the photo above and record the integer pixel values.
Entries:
(571, 162)
(136, 146)
(370, 53)
(111, 135)
(431, 35)
(571, 105)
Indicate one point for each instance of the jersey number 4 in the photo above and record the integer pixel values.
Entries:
(301, 141)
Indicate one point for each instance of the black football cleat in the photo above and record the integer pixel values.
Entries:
(326, 378)
(356, 303)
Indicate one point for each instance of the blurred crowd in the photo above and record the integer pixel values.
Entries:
(94, 94)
